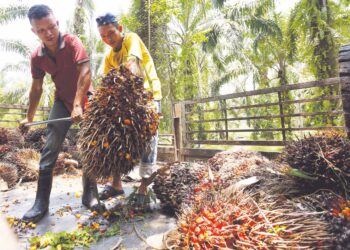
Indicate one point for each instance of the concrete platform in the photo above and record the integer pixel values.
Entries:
(64, 193)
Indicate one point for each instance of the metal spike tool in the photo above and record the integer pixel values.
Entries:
(48, 121)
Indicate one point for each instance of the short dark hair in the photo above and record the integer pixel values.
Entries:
(106, 19)
(39, 11)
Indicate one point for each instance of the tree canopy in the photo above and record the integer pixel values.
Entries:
(209, 47)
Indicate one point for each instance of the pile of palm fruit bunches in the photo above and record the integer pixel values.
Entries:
(242, 200)
(118, 125)
(20, 155)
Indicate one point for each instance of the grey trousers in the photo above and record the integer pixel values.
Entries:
(56, 133)
(149, 157)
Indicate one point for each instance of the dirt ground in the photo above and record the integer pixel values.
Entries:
(144, 233)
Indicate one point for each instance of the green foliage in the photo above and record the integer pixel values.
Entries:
(15, 46)
(159, 16)
(316, 24)
(69, 240)
(317, 29)
(200, 47)
(12, 12)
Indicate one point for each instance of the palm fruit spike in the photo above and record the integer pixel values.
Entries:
(117, 126)
(325, 157)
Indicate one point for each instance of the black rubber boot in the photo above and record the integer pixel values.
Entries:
(42, 199)
(90, 195)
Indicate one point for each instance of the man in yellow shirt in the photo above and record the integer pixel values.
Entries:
(128, 49)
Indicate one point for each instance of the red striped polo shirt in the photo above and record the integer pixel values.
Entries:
(62, 67)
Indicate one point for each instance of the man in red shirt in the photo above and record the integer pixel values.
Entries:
(66, 60)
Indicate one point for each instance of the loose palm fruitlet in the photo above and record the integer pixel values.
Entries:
(19, 226)
(178, 185)
(325, 157)
(118, 125)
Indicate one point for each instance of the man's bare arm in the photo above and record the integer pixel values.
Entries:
(34, 98)
(83, 85)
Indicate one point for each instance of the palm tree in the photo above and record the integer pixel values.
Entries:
(82, 27)
(320, 26)
(239, 23)
(230, 43)
(317, 23)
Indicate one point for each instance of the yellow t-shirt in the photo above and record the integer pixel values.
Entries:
(134, 47)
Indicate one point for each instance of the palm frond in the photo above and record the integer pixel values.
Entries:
(226, 78)
(22, 66)
(18, 95)
(218, 62)
(89, 6)
(212, 40)
(11, 13)
(264, 26)
(15, 46)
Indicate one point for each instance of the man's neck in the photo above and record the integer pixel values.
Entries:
(52, 50)
(117, 49)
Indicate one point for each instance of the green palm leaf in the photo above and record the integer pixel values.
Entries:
(11, 13)
(22, 67)
(15, 46)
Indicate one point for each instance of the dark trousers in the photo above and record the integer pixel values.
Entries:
(56, 133)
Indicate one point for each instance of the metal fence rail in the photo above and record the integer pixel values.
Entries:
(232, 119)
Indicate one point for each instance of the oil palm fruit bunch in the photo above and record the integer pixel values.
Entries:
(339, 221)
(268, 178)
(59, 165)
(174, 188)
(232, 164)
(118, 125)
(4, 149)
(241, 221)
(11, 137)
(3, 136)
(324, 159)
(71, 147)
(26, 162)
(36, 138)
(15, 138)
(8, 173)
(72, 136)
